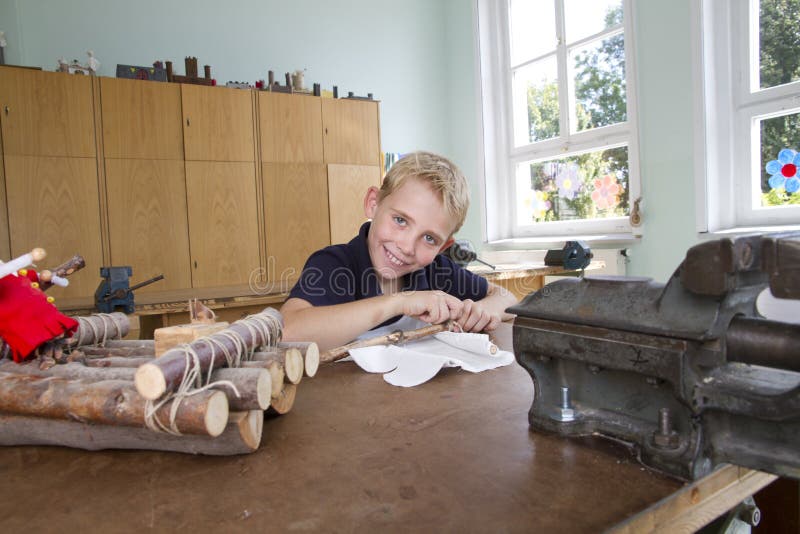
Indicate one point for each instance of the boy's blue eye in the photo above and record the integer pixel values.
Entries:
(430, 239)
(399, 220)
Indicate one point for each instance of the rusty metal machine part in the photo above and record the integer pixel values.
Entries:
(688, 371)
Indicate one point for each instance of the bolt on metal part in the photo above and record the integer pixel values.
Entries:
(564, 411)
(665, 437)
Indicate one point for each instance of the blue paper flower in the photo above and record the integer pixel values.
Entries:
(567, 180)
(784, 171)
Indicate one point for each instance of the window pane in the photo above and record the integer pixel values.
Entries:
(599, 74)
(535, 97)
(533, 29)
(779, 42)
(588, 186)
(589, 17)
(780, 160)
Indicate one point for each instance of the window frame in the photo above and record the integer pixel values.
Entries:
(501, 155)
(731, 103)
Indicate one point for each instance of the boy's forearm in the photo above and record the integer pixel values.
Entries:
(337, 325)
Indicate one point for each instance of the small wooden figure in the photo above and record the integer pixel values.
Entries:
(191, 73)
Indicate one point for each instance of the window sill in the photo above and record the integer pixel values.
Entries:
(553, 242)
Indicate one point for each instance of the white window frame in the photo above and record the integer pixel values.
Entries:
(501, 156)
(731, 104)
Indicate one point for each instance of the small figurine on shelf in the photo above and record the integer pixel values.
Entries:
(92, 63)
(297, 80)
(30, 324)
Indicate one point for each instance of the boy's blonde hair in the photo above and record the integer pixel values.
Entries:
(440, 173)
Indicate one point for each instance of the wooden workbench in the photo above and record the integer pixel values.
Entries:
(355, 454)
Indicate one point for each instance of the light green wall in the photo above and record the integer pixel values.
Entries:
(416, 56)
(667, 127)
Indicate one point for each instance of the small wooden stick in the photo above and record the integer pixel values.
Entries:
(62, 271)
(276, 372)
(395, 338)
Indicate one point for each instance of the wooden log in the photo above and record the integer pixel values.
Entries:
(395, 338)
(283, 403)
(111, 402)
(165, 374)
(119, 361)
(253, 385)
(131, 343)
(124, 352)
(310, 353)
(290, 358)
(242, 435)
(169, 337)
(276, 373)
(95, 328)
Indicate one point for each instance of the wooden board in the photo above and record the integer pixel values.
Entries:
(347, 186)
(351, 131)
(223, 223)
(147, 211)
(217, 124)
(296, 208)
(49, 113)
(291, 128)
(53, 203)
(141, 119)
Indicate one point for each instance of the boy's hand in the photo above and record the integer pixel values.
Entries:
(476, 318)
(430, 306)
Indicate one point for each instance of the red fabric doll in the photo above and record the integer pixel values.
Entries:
(27, 317)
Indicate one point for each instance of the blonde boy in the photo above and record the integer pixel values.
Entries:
(393, 267)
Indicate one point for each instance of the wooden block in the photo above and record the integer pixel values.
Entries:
(170, 336)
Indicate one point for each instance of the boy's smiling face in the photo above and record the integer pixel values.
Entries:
(409, 228)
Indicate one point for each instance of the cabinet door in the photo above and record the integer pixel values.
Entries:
(351, 131)
(217, 123)
(141, 119)
(223, 222)
(296, 207)
(46, 113)
(347, 186)
(147, 221)
(5, 243)
(53, 203)
(291, 128)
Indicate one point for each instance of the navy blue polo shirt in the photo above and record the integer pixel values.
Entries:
(344, 273)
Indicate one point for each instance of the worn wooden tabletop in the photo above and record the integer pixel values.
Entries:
(354, 454)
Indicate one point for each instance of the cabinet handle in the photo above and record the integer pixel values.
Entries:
(326, 131)
(195, 264)
(6, 110)
(187, 122)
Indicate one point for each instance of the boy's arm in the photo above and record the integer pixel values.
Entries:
(487, 313)
(338, 324)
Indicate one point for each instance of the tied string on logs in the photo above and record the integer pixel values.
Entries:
(107, 321)
(191, 383)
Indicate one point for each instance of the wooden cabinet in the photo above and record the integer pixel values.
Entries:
(347, 186)
(141, 119)
(296, 216)
(223, 222)
(291, 128)
(147, 221)
(351, 131)
(5, 244)
(53, 204)
(217, 123)
(46, 113)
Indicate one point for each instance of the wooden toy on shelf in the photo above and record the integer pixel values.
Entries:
(191, 73)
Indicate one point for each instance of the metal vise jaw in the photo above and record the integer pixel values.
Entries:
(687, 371)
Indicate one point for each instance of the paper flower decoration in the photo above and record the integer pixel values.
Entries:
(539, 204)
(606, 192)
(784, 171)
(567, 180)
